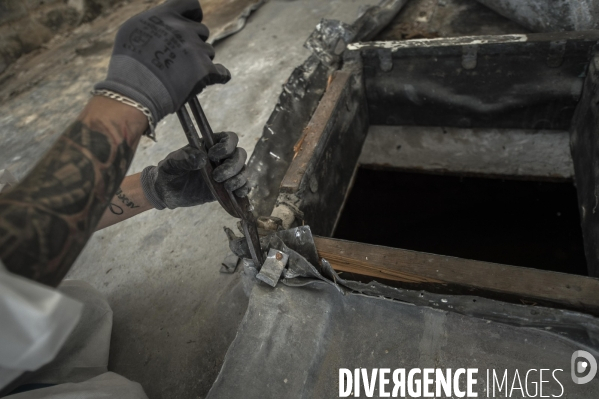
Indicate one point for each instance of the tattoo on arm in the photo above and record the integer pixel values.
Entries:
(125, 200)
(46, 220)
(115, 209)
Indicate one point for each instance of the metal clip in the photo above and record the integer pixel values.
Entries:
(273, 267)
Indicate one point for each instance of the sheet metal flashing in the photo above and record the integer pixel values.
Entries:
(512, 82)
(304, 268)
(584, 144)
(306, 329)
(434, 82)
(300, 97)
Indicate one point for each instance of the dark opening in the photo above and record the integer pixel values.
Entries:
(514, 222)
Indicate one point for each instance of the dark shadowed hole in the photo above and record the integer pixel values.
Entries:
(514, 222)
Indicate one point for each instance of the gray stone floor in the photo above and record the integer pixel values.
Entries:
(174, 313)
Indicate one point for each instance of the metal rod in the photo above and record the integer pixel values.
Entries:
(218, 191)
(241, 206)
(208, 135)
(202, 121)
(189, 129)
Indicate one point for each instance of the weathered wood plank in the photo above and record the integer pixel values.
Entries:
(274, 151)
(584, 143)
(306, 147)
(320, 175)
(569, 291)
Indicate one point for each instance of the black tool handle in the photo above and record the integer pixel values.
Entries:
(237, 207)
(202, 121)
(217, 190)
(240, 205)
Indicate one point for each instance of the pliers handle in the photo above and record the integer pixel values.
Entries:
(237, 207)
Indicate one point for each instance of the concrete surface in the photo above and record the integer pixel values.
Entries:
(27, 25)
(541, 154)
(174, 313)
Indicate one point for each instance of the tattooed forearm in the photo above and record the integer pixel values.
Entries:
(46, 220)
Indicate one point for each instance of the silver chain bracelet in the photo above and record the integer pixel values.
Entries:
(126, 100)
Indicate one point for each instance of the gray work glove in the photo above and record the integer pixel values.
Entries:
(161, 59)
(177, 180)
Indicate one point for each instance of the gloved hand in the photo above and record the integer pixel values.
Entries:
(161, 59)
(177, 180)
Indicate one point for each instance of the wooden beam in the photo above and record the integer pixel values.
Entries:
(320, 175)
(306, 147)
(563, 290)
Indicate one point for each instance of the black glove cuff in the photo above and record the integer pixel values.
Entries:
(147, 185)
(139, 84)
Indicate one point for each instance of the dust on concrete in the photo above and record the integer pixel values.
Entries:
(70, 64)
(62, 73)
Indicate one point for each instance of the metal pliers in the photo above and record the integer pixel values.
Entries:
(237, 207)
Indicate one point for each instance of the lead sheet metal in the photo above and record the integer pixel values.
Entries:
(294, 339)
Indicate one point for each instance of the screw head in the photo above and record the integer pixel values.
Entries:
(279, 256)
